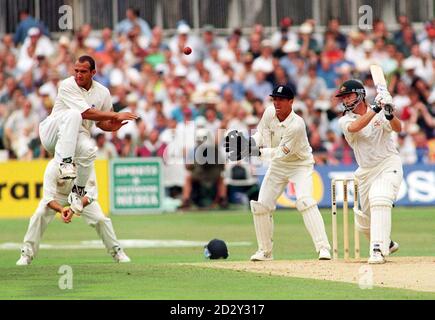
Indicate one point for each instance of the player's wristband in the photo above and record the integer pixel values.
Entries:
(389, 117)
(376, 108)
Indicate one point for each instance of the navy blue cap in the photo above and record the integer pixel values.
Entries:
(283, 92)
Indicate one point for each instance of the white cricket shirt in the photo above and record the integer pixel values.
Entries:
(71, 96)
(373, 143)
(284, 143)
(55, 188)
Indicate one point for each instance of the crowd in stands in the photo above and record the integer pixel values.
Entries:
(223, 84)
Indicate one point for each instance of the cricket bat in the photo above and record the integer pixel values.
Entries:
(378, 78)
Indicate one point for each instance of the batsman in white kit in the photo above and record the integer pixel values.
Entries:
(66, 131)
(368, 131)
(55, 199)
(281, 138)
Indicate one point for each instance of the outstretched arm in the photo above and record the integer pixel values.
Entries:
(97, 115)
(111, 125)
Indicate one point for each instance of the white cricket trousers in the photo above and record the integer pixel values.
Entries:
(378, 189)
(92, 214)
(273, 185)
(60, 136)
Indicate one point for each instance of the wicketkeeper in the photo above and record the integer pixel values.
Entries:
(55, 199)
(368, 130)
(281, 138)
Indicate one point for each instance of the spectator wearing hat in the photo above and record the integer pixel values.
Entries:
(306, 39)
(289, 62)
(35, 45)
(27, 22)
(43, 45)
(183, 38)
(133, 18)
(208, 41)
(354, 50)
(265, 61)
(363, 65)
(44, 101)
(285, 33)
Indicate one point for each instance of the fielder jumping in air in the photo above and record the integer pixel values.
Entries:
(66, 131)
(368, 130)
(56, 190)
(281, 137)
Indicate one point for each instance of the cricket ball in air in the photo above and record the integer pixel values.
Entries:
(187, 50)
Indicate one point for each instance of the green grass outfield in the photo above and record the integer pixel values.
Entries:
(155, 273)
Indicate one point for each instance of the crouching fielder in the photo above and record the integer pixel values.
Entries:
(55, 199)
(282, 138)
(368, 130)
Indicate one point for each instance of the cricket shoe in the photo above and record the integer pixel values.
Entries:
(376, 257)
(394, 246)
(26, 257)
(67, 171)
(324, 254)
(261, 255)
(119, 255)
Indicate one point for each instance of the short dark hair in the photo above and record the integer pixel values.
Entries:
(88, 59)
(136, 11)
(24, 11)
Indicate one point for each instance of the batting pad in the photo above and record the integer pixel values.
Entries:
(380, 226)
(316, 227)
(362, 222)
(263, 223)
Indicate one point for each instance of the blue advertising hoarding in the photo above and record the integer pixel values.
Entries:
(417, 189)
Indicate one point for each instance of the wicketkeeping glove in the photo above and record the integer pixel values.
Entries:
(238, 147)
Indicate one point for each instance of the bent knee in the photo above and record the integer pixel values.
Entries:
(260, 208)
(305, 203)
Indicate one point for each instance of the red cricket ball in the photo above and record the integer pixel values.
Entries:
(187, 50)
